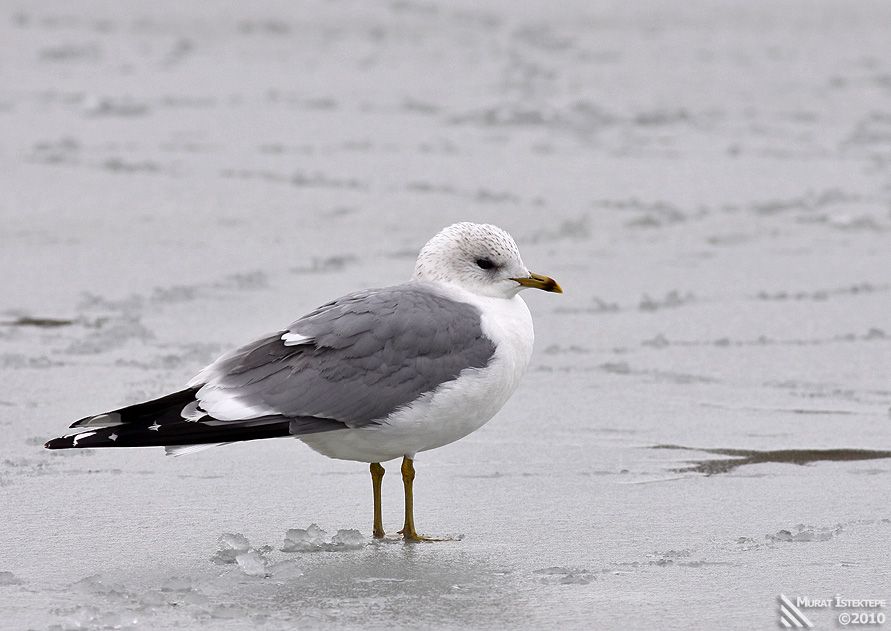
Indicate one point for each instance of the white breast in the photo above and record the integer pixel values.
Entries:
(454, 409)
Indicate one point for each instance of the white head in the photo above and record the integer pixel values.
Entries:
(480, 258)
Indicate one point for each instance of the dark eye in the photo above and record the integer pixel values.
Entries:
(485, 263)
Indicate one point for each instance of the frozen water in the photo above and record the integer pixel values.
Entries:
(253, 563)
(235, 548)
(806, 533)
(348, 539)
(309, 539)
(708, 180)
(231, 545)
(565, 576)
(91, 617)
(8, 578)
(285, 570)
(314, 539)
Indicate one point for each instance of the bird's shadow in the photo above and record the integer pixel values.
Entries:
(741, 457)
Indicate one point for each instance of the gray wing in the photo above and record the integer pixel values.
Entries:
(354, 360)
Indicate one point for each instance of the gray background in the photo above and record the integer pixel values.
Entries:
(709, 181)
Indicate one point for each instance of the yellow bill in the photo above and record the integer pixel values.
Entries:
(537, 281)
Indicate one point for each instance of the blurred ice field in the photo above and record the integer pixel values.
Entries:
(707, 419)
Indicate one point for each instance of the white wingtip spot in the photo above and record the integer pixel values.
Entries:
(80, 436)
(295, 339)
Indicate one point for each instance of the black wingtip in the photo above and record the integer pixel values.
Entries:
(59, 443)
(148, 411)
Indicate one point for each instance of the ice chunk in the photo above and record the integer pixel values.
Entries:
(253, 563)
(231, 545)
(314, 539)
(304, 540)
(348, 540)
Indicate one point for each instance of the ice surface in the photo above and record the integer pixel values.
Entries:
(91, 617)
(806, 533)
(8, 578)
(565, 575)
(708, 180)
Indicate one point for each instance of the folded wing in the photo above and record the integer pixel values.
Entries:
(350, 363)
(354, 360)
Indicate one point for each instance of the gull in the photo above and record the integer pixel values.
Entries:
(373, 376)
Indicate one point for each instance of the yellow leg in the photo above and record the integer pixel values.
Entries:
(377, 476)
(408, 531)
(408, 477)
